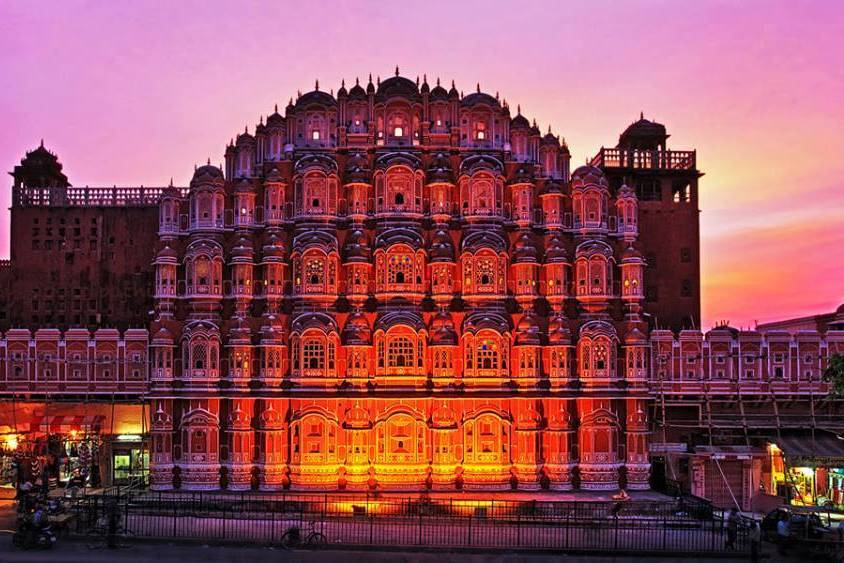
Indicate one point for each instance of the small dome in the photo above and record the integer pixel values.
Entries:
(239, 420)
(240, 334)
(272, 334)
(342, 93)
(425, 89)
(442, 248)
(626, 192)
(167, 254)
(162, 336)
(356, 331)
(444, 416)
(316, 97)
(558, 331)
(273, 247)
(521, 175)
(357, 92)
(439, 170)
(528, 419)
(588, 175)
(527, 331)
(631, 255)
(453, 94)
(244, 139)
(519, 122)
(635, 336)
(524, 250)
(550, 140)
(397, 87)
(438, 93)
(551, 187)
(560, 420)
(555, 251)
(244, 186)
(207, 174)
(357, 169)
(242, 251)
(442, 330)
(479, 97)
(275, 119)
(357, 417)
(357, 248)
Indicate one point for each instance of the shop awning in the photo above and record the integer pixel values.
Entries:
(825, 448)
(65, 423)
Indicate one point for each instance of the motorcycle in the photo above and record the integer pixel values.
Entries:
(30, 536)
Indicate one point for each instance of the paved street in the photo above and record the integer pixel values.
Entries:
(78, 552)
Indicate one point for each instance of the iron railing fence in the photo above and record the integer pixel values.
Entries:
(348, 520)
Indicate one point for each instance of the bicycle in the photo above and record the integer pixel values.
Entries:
(292, 538)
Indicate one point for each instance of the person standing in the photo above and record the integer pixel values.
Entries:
(755, 541)
(782, 534)
(732, 529)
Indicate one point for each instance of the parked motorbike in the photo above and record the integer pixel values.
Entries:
(31, 536)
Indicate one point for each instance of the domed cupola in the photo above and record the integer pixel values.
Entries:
(207, 174)
(439, 170)
(357, 418)
(551, 187)
(523, 174)
(239, 420)
(357, 169)
(357, 93)
(438, 93)
(357, 248)
(242, 251)
(342, 93)
(558, 331)
(166, 256)
(527, 331)
(479, 97)
(453, 94)
(555, 251)
(588, 175)
(524, 250)
(356, 331)
(550, 139)
(272, 334)
(273, 249)
(397, 87)
(316, 97)
(162, 338)
(520, 121)
(442, 248)
(442, 330)
(444, 417)
(275, 119)
(425, 89)
(529, 419)
(240, 335)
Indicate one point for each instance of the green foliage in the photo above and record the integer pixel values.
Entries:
(834, 374)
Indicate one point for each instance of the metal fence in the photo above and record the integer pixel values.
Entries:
(415, 522)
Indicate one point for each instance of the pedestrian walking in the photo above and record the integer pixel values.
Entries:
(755, 541)
(732, 528)
(783, 534)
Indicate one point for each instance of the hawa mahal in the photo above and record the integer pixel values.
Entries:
(397, 287)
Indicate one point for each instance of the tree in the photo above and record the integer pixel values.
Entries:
(834, 374)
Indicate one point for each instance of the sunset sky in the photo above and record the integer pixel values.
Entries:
(133, 93)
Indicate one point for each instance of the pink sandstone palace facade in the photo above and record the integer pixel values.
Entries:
(401, 287)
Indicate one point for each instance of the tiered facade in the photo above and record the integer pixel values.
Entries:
(400, 288)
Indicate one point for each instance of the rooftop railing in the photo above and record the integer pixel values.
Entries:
(116, 196)
(638, 158)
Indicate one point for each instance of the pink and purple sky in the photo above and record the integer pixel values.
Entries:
(132, 93)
